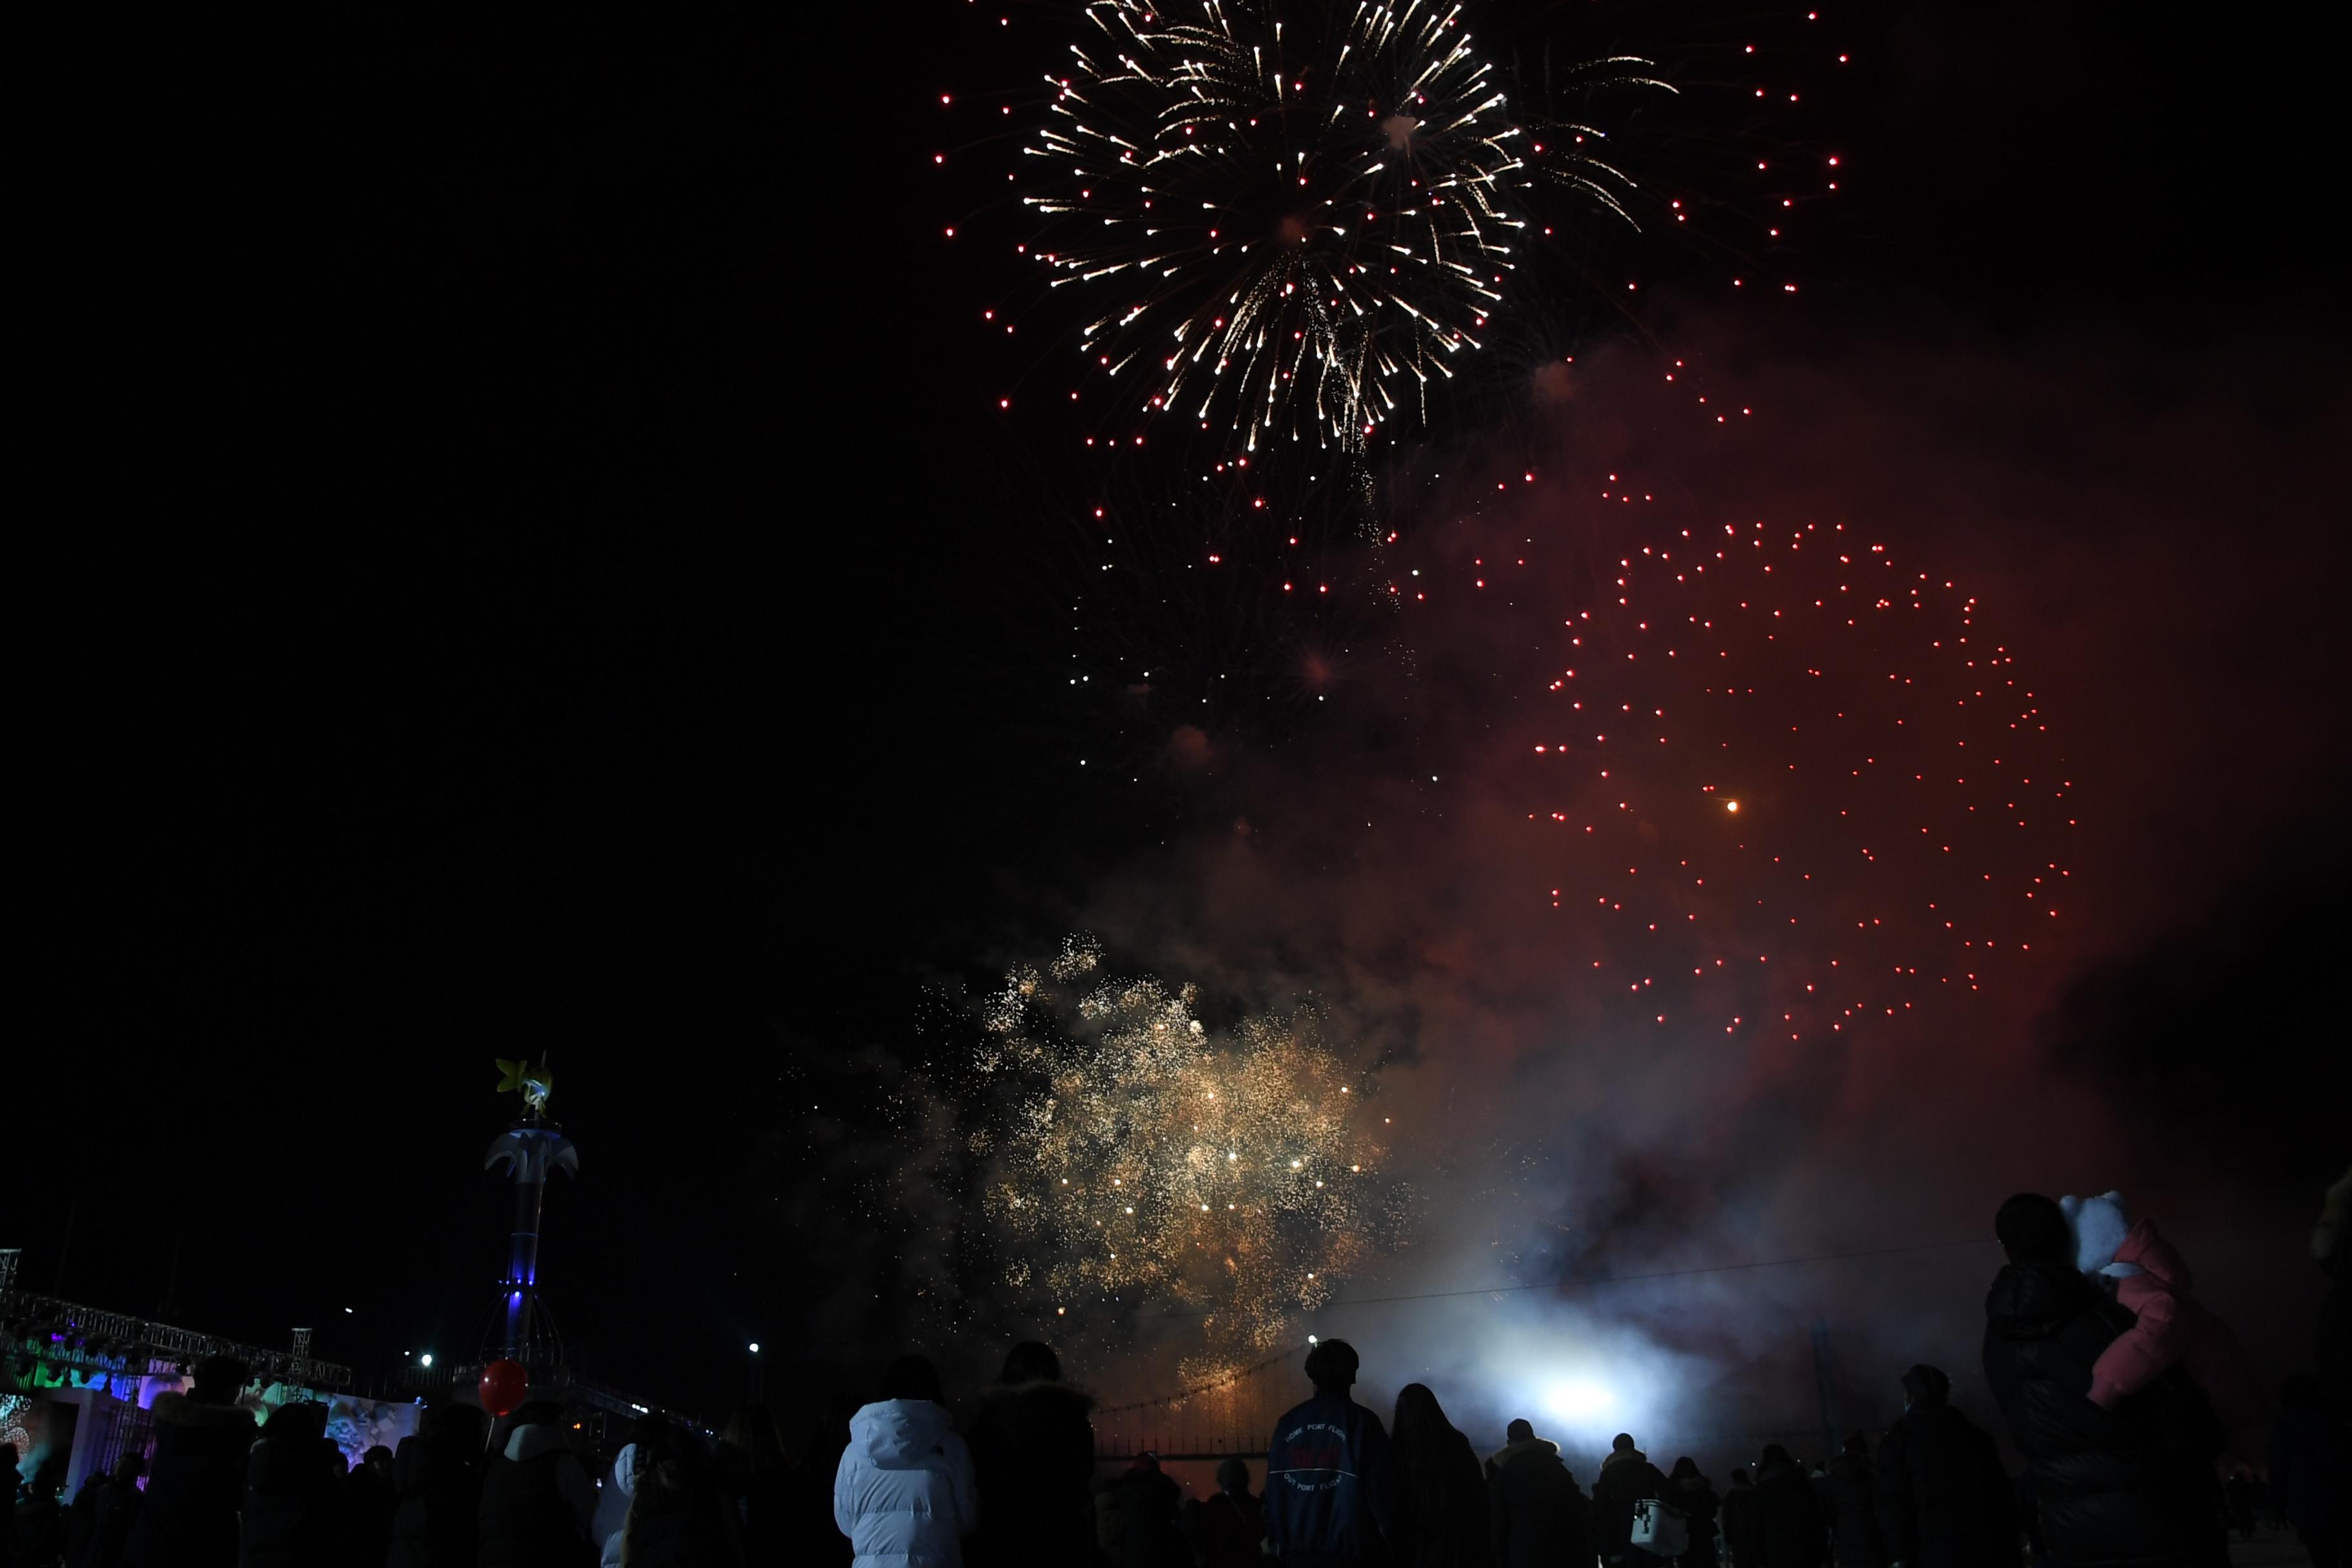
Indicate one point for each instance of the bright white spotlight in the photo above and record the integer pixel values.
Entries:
(1577, 1399)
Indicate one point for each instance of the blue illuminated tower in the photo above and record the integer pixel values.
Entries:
(532, 1149)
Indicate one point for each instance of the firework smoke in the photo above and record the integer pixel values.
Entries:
(1133, 1155)
(1593, 1116)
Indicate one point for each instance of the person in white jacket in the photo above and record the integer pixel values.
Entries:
(610, 1524)
(903, 1493)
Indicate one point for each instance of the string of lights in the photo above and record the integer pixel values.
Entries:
(1209, 1386)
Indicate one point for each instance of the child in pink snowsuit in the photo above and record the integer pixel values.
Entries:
(2174, 1326)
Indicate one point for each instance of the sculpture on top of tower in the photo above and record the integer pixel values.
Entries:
(532, 1149)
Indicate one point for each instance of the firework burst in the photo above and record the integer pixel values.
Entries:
(1140, 1156)
(1775, 781)
(1301, 221)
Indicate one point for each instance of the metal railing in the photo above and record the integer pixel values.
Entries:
(74, 1334)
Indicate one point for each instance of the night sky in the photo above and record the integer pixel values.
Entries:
(524, 557)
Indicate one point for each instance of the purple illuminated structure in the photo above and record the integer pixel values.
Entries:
(532, 1149)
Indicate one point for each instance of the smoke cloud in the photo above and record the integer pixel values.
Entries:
(1729, 1178)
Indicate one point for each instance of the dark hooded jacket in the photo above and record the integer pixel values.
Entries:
(531, 1515)
(1538, 1516)
(1941, 1495)
(81, 1520)
(2333, 1360)
(195, 1484)
(1739, 1525)
(1145, 1502)
(1326, 1485)
(41, 1524)
(1784, 1526)
(2117, 1486)
(2311, 1463)
(1695, 1497)
(438, 1485)
(697, 1538)
(1853, 1515)
(118, 1515)
(1033, 1459)
(293, 1503)
(1231, 1528)
(368, 1502)
(1625, 1479)
(1439, 1502)
(680, 1515)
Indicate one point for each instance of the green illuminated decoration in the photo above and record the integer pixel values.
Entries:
(537, 1084)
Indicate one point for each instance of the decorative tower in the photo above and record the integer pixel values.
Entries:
(532, 1149)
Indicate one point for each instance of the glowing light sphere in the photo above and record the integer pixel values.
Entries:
(1578, 1399)
(1298, 219)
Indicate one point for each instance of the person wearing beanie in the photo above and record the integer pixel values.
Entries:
(1786, 1529)
(1941, 1496)
(1146, 1503)
(1233, 1522)
(1853, 1525)
(1627, 1478)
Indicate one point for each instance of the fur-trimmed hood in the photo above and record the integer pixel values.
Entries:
(1516, 1452)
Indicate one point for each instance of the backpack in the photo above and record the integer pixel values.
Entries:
(1660, 1531)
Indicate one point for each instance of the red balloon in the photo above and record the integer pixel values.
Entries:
(504, 1383)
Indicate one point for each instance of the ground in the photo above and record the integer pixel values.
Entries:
(2268, 1549)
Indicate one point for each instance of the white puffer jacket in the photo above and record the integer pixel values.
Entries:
(904, 1494)
(610, 1528)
